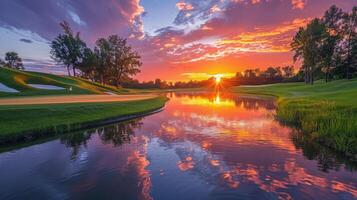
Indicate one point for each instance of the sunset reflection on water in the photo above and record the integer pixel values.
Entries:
(202, 146)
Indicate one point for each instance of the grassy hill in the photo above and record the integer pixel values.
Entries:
(342, 92)
(19, 80)
(328, 111)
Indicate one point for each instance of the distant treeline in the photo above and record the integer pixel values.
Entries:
(268, 76)
(159, 84)
(247, 77)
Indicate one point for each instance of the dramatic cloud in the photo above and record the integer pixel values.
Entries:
(92, 18)
(205, 37)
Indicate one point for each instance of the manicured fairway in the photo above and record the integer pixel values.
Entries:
(21, 121)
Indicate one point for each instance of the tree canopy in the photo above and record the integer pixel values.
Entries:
(328, 45)
(68, 48)
(110, 62)
(12, 60)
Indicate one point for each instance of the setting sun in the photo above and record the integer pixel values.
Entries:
(218, 78)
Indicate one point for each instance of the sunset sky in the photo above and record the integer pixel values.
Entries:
(177, 39)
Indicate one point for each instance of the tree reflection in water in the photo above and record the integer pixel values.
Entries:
(327, 158)
(120, 133)
(116, 134)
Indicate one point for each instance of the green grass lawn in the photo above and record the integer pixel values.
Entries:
(33, 121)
(328, 111)
(19, 80)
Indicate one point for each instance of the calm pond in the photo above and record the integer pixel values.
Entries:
(202, 146)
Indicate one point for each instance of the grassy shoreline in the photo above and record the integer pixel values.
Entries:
(28, 122)
(328, 112)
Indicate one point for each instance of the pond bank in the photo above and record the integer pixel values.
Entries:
(327, 111)
(28, 122)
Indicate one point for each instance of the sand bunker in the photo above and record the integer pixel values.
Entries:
(4, 88)
(46, 87)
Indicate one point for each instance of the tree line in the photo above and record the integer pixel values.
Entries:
(327, 46)
(111, 61)
(267, 76)
(160, 84)
(247, 77)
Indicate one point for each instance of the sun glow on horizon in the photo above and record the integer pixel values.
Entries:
(218, 78)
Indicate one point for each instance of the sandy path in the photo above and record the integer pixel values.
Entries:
(73, 99)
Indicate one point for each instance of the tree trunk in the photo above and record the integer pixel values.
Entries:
(118, 84)
(307, 78)
(102, 79)
(69, 73)
(306, 75)
(74, 71)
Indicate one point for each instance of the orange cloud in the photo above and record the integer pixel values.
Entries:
(184, 6)
(215, 9)
(298, 4)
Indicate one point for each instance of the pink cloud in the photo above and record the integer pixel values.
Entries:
(184, 6)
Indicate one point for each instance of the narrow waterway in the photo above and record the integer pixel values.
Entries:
(202, 146)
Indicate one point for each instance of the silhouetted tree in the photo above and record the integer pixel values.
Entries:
(116, 61)
(125, 62)
(288, 71)
(68, 48)
(349, 43)
(13, 61)
(89, 64)
(307, 44)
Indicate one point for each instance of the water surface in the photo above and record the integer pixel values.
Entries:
(202, 146)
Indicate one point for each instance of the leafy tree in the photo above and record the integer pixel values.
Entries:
(250, 73)
(13, 61)
(68, 48)
(288, 71)
(124, 61)
(88, 64)
(307, 44)
(333, 21)
(349, 30)
(102, 51)
(157, 83)
(271, 72)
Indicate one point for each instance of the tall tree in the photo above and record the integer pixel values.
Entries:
(333, 21)
(102, 51)
(89, 64)
(307, 46)
(350, 35)
(13, 61)
(68, 48)
(125, 61)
